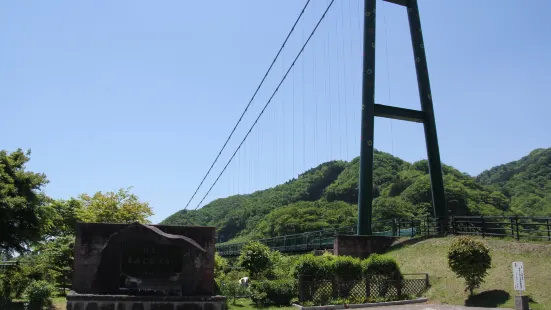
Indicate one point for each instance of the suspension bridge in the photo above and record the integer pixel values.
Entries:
(316, 103)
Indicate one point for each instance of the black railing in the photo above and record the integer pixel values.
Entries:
(535, 228)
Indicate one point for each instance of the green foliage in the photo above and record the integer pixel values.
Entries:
(220, 265)
(255, 258)
(230, 286)
(318, 267)
(274, 292)
(469, 259)
(345, 188)
(58, 253)
(61, 219)
(347, 268)
(281, 266)
(21, 202)
(238, 215)
(39, 293)
(382, 266)
(525, 182)
(114, 207)
(306, 216)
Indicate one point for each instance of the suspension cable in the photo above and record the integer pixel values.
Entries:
(388, 79)
(249, 104)
(269, 100)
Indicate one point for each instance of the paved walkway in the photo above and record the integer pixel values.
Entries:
(428, 307)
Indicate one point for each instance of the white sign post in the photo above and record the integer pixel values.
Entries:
(518, 277)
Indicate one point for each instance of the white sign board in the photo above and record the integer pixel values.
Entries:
(518, 276)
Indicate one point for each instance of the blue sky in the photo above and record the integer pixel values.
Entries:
(111, 94)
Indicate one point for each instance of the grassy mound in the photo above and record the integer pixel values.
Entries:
(430, 256)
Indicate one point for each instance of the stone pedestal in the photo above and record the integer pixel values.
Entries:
(361, 246)
(127, 302)
(521, 303)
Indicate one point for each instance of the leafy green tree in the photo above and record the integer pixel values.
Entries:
(469, 259)
(59, 253)
(114, 207)
(255, 258)
(21, 202)
(61, 219)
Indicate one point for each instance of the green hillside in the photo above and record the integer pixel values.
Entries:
(326, 196)
(525, 182)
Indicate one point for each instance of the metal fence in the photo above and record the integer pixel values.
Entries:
(515, 227)
(359, 290)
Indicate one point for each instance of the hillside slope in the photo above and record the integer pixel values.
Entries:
(326, 196)
(430, 256)
(240, 213)
(526, 182)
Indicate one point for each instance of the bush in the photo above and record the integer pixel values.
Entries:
(274, 292)
(469, 259)
(255, 258)
(381, 266)
(39, 294)
(231, 288)
(347, 268)
(281, 266)
(220, 265)
(318, 267)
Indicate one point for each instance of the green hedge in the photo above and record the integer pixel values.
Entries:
(381, 265)
(319, 267)
(347, 268)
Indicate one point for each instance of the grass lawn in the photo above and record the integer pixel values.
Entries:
(430, 256)
(60, 303)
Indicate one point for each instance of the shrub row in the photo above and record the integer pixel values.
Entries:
(346, 268)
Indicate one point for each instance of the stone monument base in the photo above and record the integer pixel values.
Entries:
(361, 246)
(129, 302)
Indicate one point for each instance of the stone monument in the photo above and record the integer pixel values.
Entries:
(136, 266)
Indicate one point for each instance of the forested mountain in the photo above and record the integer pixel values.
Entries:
(525, 182)
(326, 196)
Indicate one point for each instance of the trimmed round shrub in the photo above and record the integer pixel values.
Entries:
(274, 292)
(469, 259)
(39, 294)
(382, 266)
(255, 258)
(317, 267)
(347, 268)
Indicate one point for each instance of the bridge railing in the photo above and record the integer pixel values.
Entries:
(515, 227)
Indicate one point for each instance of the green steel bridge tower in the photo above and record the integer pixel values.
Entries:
(370, 110)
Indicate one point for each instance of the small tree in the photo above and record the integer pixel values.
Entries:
(39, 294)
(255, 258)
(469, 259)
(230, 286)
